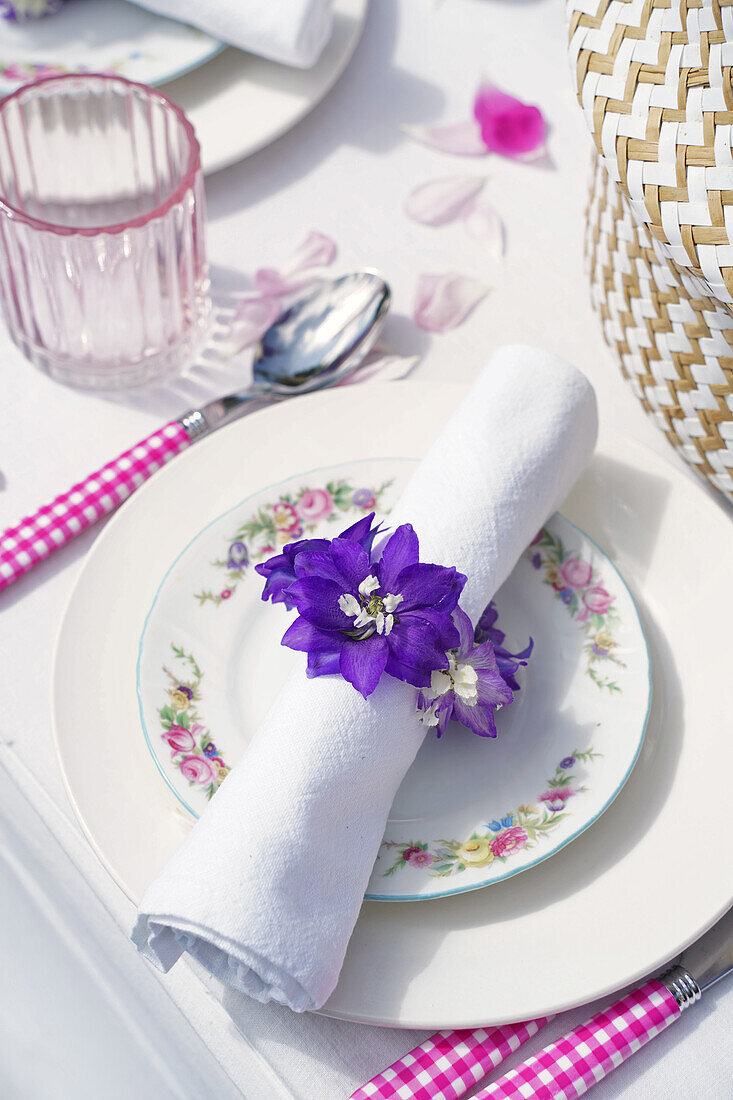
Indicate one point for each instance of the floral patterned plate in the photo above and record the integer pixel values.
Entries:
(101, 36)
(470, 812)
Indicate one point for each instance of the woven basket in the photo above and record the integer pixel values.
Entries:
(654, 82)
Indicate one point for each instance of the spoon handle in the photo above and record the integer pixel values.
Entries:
(55, 524)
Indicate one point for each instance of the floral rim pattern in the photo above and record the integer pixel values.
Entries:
(21, 72)
(291, 516)
(502, 837)
(193, 751)
(579, 586)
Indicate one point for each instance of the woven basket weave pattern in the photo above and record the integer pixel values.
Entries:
(654, 82)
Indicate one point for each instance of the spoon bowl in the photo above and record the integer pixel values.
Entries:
(320, 339)
(324, 335)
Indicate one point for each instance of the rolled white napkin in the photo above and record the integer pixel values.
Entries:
(291, 31)
(266, 888)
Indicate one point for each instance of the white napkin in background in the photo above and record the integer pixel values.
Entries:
(267, 886)
(291, 31)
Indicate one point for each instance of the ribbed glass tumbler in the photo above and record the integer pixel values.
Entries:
(103, 274)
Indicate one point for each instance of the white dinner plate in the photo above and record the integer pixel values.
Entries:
(239, 103)
(645, 880)
(100, 36)
(470, 811)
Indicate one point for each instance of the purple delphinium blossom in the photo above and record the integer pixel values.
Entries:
(567, 762)
(279, 571)
(508, 663)
(392, 615)
(470, 690)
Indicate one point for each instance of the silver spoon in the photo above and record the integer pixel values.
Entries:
(320, 339)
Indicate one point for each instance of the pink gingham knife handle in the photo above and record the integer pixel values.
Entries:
(568, 1068)
(37, 536)
(448, 1064)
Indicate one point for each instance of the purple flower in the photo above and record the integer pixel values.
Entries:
(470, 689)
(363, 498)
(210, 749)
(392, 615)
(536, 561)
(279, 571)
(486, 629)
(238, 557)
(567, 762)
(508, 662)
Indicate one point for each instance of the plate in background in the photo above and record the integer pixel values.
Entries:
(101, 36)
(240, 103)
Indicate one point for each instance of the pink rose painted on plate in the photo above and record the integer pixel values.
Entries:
(315, 504)
(179, 738)
(511, 840)
(597, 599)
(578, 584)
(198, 769)
(576, 573)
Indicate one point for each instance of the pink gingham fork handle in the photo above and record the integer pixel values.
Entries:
(53, 525)
(568, 1068)
(448, 1064)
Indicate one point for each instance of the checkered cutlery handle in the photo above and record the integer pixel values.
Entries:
(37, 536)
(568, 1068)
(448, 1064)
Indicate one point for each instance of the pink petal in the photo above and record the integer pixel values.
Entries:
(461, 138)
(253, 317)
(316, 251)
(483, 223)
(380, 366)
(508, 126)
(439, 201)
(274, 284)
(443, 302)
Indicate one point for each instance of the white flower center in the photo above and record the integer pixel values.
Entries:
(370, 611)
(460, 678)
(429, 717)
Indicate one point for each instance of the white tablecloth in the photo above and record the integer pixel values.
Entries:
(344, 171)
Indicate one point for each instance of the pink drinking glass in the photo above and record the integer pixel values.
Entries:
(103, 274)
